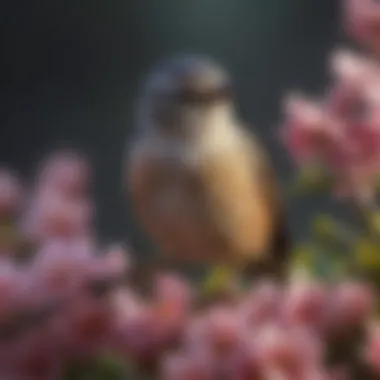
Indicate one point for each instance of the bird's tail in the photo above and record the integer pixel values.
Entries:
(274, 265)
(276, 262)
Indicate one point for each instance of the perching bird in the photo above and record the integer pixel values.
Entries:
(201, 185)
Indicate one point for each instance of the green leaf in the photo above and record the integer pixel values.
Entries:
(324, 226)
(332, 233)
(110, 367)
(376, 183)
(317, 261)
(303, 260)
(367, 254)
(219, 278)
(75, 371)
(330, 267)
(311, 179)
(106, 367)
(373, 222)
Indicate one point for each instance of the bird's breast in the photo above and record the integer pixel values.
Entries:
(208, 200)
(217, 196)
(235, 200)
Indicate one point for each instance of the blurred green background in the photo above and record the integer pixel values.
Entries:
(71, 68)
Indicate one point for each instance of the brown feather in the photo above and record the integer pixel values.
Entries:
(222, 207)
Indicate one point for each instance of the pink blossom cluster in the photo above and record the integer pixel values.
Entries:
(362, 22)
(341, 130)
(273, 332)
(72, 301)
(52, 305)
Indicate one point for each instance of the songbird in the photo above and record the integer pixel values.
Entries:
(201, 185)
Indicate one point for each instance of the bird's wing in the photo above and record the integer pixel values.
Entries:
(167, 201)
(144, 180)
(280, 244)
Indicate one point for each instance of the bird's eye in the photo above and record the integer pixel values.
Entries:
(186, 97)
(209, 96)
(226, 92)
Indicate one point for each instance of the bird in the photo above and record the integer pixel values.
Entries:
(201, 185)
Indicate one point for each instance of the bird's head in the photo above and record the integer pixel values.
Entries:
(185, 93)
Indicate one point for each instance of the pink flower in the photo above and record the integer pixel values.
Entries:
(362, 21)
(195, 332)
(12, 293)
(112, 266)
(36, 356)
(351, 70)
(223, 328)
(10, 193)
(344, 135)
(371, 353)
(174, 292)
(51, 215)
(309, 133)
(85, 328)
(187, 367)
(354, 88)
(291, 351)
(127, 305)
(262, 303)
(136, 333)
(244, 361)
(305, 304)
(66, 172)
(339, 372)
(350, 305)
(141, 336)
(145, 329)
(60, 266)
